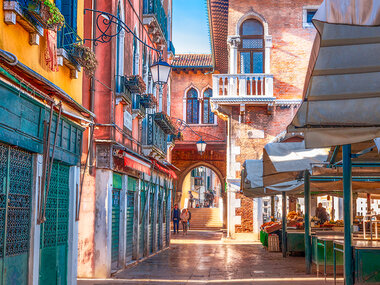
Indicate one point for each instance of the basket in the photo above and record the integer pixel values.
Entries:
(273, 243)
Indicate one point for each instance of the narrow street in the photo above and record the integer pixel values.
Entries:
(205, 257)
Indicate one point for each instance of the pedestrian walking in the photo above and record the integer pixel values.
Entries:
(184, 220)
(176, 216)
(188, 222)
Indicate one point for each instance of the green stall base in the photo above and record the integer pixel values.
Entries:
(367, 266)
(264, 238)
(295, 242)
(329, 253)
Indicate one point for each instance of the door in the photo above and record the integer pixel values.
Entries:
(54, 231)
(142, 222)
(132, 187)
(117, 186)
(159, 220)
(16, 172)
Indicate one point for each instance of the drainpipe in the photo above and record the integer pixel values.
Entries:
(92, 93)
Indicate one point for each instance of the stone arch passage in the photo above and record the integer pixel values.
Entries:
(182, 175)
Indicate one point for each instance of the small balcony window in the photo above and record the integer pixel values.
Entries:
(251, 52)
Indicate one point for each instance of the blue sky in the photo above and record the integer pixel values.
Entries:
(190, 26)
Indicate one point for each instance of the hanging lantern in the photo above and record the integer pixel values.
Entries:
(160, 72)
(201, 146)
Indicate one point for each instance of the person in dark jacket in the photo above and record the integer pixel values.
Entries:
(176, 216)
(321, 213)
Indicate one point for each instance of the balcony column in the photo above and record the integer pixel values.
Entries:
(234, 42)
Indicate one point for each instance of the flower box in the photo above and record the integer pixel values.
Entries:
(47, 14)
(148, 101)
(135, 84)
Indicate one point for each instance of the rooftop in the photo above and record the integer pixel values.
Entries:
(192, 61)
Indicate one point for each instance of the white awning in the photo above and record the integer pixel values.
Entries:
(342, 88)
(286, 161)
(253, 185)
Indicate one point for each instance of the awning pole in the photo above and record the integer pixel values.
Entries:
(307, 222)
(284, 224)
(272, 209)
(347, 201)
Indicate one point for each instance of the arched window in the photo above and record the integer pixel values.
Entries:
(251, 52)
(208, 116)
(192, 106)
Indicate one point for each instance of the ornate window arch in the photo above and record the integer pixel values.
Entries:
(192, 106)
(208, 116)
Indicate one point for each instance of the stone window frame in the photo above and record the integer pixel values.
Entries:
(305, 9)
(208, 86)
(234, 42)
(184, 101)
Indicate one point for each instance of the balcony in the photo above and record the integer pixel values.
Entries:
(155, 17)
(242, 89)
(154, 138)
(17, 12)
(67, 37)
(138, 108)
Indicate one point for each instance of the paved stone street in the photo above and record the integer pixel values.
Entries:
(204, 257)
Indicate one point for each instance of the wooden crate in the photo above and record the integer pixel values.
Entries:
(273, 243)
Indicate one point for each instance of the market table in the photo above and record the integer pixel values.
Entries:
(366, 260)
(295, 241)
(322, 249)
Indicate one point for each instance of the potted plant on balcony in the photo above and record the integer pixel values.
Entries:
(47, 14)
(86, 58)
(148, 101)
(135, 84)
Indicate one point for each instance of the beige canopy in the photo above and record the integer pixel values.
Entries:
(253, 185)
(287, 161)
(342, 88)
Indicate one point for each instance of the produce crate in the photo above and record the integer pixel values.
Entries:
(273, 243)
(273, 228)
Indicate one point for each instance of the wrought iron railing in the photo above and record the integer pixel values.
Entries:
(67, 37)
(24, 4)
(155, 8)
(155, 135)
(136, 105)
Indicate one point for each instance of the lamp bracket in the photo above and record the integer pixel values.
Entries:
(110, 26)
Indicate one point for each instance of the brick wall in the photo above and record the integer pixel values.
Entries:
(291, 42)
(289, 59)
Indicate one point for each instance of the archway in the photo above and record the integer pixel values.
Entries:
(206, 184)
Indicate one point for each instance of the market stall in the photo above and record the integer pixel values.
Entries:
(341, 102)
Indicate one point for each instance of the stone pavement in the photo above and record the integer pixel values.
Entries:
(204, 257)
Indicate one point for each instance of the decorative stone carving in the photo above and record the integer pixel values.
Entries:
(234, 41)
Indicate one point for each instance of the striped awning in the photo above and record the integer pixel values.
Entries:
(341, 102)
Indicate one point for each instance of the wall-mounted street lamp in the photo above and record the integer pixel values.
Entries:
(109, 26)
(201, 144)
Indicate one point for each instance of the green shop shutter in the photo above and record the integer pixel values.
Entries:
(132, 187)
(16, 172)
(142, 222)
(117, 186)
(151, 221)
(54, 231)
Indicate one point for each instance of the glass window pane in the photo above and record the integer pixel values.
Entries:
(245, 62)
(207, 93)
(252, 27)
(310, 15)
(258, 64)
(253, 43)
(195, 111)
(192, 93)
